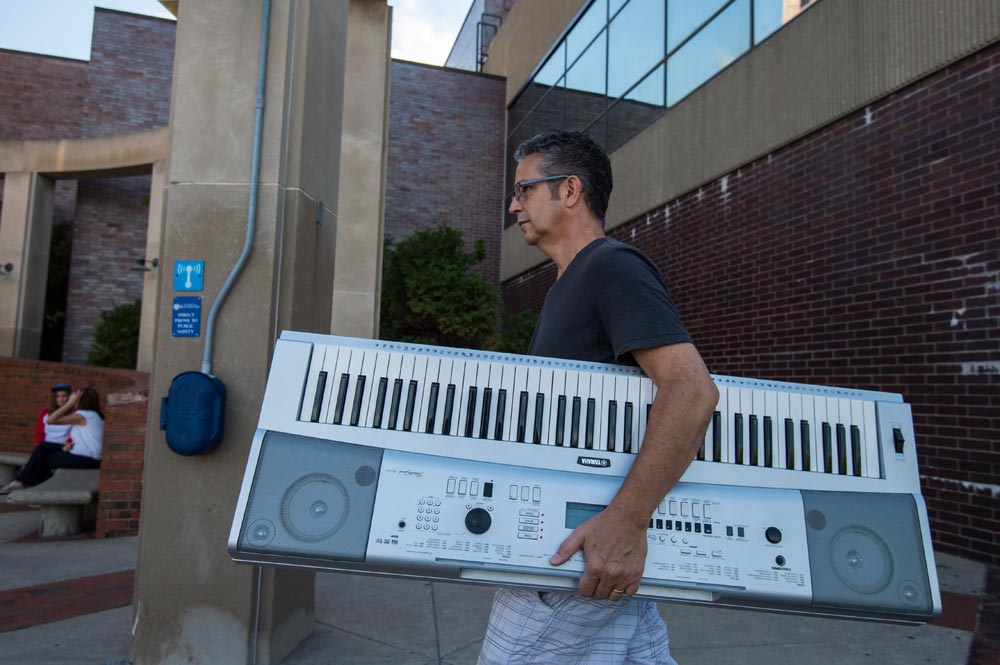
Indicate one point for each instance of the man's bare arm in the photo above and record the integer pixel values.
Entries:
(614, 541)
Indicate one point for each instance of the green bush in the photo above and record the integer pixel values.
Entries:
(430, 295)
(116, 338)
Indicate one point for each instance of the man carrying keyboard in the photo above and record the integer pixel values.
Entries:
(609, 304)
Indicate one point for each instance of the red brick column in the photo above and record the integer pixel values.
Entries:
(121, 466)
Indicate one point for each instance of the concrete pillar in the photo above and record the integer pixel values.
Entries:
(151, 278)
(192, 604)
(365, 140)
(25, 235)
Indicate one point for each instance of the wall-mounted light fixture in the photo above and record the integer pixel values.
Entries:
(146, 264)
(6, 269)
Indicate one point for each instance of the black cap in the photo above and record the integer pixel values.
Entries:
(61, 386)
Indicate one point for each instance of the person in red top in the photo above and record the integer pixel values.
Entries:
(57, 434)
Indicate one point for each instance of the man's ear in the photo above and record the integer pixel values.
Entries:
(574, 191)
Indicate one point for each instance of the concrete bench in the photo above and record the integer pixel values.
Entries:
(68, 500)
(10, 464)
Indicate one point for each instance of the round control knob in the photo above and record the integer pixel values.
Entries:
(478, 520)
(773, 535)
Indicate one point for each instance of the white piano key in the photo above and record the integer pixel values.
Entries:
(722, 431)
(457, 379)
(471, 369)
(819, 406)
(573, 383)
(378, 372)
(845, 418)
(746, 410)
(621, 397)
(558, 390)
(758, 400)
(419, 376)
(444, 378)
(809, 416)
(732, 405)
(312, 380)
(607, 395)
(507, 384)
(635, 398)
(330, 367)
(545, 378)
(597, 395)
(532, 388)
(333, 380)
(645, 399)
(485, 426)
(431, 371)
(368, 371)
(871, 440)
(779, 425)
(795, 413)
(353, 371)
(833, 417)
(482, 383)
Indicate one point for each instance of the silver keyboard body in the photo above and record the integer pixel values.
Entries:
(803, 499)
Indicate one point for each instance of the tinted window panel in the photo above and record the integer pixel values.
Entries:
(592, 21)
(722, 41)
(554, 67)
(766, 18)
(636, 110)
(684, 17)
(635, 44)
(587, 74)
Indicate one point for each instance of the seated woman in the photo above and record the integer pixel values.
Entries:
(82, 451)
(46, 433)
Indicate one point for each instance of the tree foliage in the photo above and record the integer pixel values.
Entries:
(116, 337)
(430, 295)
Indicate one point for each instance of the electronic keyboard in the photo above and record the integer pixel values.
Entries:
(439, 463)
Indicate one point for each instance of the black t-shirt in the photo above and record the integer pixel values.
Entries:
(611, 300)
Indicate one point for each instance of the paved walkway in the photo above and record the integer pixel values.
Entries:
(67, 601)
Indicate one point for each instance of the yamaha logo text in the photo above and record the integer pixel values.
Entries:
(594, 461)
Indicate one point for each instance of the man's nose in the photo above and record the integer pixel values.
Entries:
(514, 206)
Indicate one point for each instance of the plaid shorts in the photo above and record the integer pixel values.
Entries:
(528, 626)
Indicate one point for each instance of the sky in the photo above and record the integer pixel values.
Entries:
(422, 31)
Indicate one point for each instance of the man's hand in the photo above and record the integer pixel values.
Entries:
(614, 555)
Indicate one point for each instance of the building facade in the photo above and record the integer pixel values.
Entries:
(822, 198)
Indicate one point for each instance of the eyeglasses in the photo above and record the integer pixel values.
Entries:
(522, 187)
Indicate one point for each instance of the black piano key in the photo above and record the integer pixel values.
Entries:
(789, 443)
(627, 443)
(701, 451)
(768, 442)
(574, 430)
(754, 441)
(539, 410)
(591, 414)
(432, 405)
(522, 415)
(397, 394)
(841, 450)
(649, 410)
(338, 413)
(612, 423)
(359, 393)
(856, 449)
(449, 406)
(318, 398)
(716, 436)
(501, 413)
(411, 402)
(738, 436)
(484, 419)
(806, 447)
(470, 411)
(827, 448)
(380, 401)
(560, 420)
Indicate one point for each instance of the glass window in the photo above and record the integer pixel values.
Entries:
(640, 106)
(549, 114)
(767, 17)
(684, 17)
(592, 21)
(718, 44)
(588, 74)
(635, 44)
(554, 67)
(614, 6)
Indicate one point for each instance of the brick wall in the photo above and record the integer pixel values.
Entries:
(867, 255)
(445, 163)
(109, 236)
(124, 398)
(125, 87)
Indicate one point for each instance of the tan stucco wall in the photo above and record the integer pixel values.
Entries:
(833, 59)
